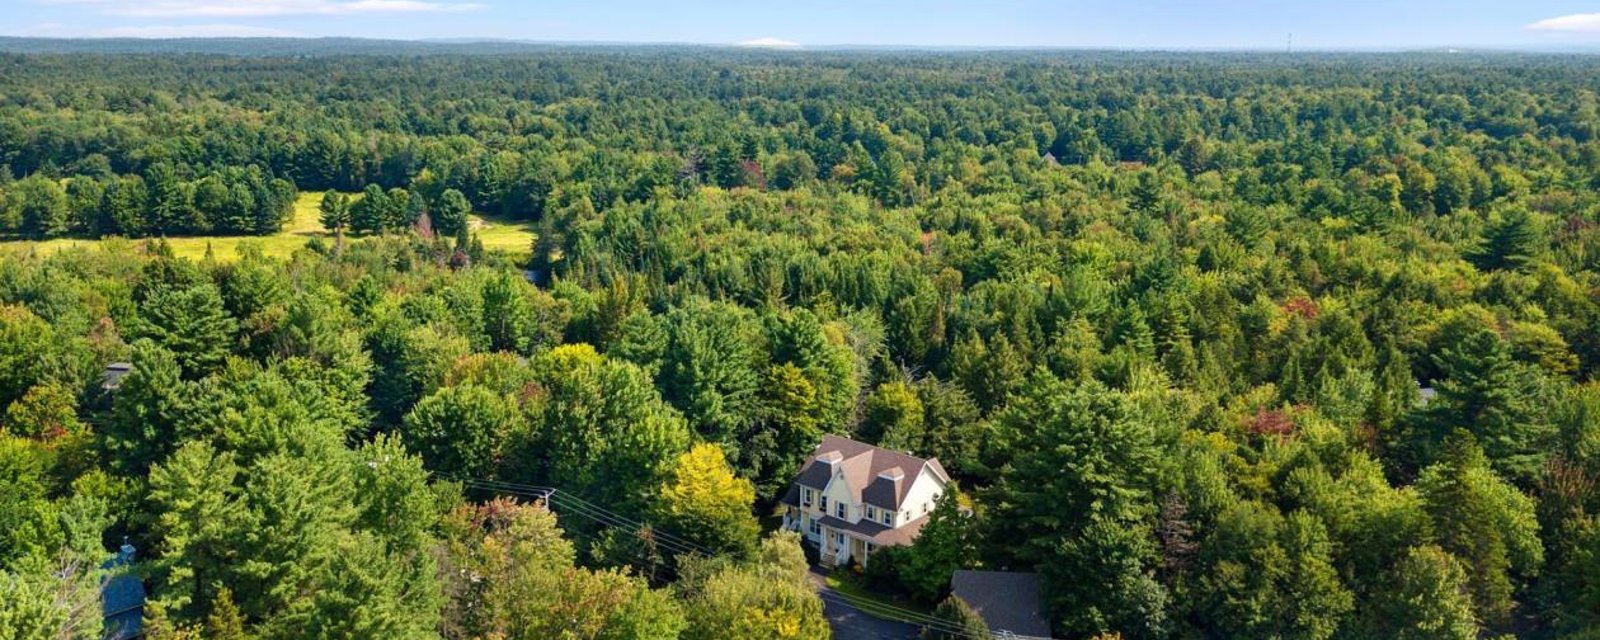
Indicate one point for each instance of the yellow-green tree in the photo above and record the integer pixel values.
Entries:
(705, 503)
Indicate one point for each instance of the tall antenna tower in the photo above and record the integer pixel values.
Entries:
(1290, 48)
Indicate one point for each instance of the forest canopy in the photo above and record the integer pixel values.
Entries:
(1221, 345)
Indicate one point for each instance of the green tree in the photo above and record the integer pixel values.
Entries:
(200, 522)
(40, 205)
(47, 412)
(1509, 242)
(1483, 520)
(449, 214)
(603, 428)
(894, 419)
(772, 597)
(1078, 494)
(458, 430)
(961, 622)
(1484, 391)
(369, 214)
(709, 370)
(948, 542)
(704, 503)
(334, 210)
(1426, 598)
(151, 400)
(191, 323)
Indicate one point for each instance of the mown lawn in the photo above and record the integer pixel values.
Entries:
(849, 585)
(515, 238)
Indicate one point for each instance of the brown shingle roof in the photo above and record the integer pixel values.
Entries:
(879, 534)
(879, 476)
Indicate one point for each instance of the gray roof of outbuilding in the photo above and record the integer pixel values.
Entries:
(1007, 601)
(122, 597)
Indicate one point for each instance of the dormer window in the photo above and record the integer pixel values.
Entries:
(805, 497)
(888, 517)
(872, 512)
(841, 510)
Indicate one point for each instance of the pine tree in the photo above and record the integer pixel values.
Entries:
(335, 215)
(948, 542)
(449, 214)
(1483, 520)
(1509, 242)
(369, 213)
(191, 323)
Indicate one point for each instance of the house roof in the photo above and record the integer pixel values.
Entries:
(111, 378)
(122, 597)
(877, 533)
(1007, 601)
(877, 476)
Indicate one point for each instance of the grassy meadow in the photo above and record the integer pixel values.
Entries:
(515, 238)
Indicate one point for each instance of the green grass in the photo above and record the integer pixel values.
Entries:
(515, 238)
(849, 585)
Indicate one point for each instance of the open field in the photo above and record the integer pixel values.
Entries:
(512, 237)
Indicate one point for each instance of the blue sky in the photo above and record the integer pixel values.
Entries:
(1180, 24)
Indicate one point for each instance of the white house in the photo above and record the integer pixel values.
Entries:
(851, 498)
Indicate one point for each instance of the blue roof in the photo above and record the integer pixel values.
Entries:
(122, 597)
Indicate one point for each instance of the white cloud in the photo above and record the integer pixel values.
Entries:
(771, 43)
(264, 8)
(1575, 23)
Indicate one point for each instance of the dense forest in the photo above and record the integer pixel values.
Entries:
(1221, 345)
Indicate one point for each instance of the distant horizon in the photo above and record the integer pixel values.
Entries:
(1140, 25)
(1575, 48)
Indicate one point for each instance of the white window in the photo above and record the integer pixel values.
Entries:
(816, 527)
(888, 517)
(824, 503)
(805, 497)
(840, 510)
(838, 539)
(872, 512)
(924, 507)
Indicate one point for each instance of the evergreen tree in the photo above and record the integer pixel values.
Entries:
(191, 323)
(1484, 521)
(449, 214)
(369, 214)
(335, 214)
(948, 542)
(1509, 242)
(1426, 598)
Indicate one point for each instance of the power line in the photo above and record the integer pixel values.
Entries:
(888, 611)
(559, 501)
(605, 517)
(559, 498)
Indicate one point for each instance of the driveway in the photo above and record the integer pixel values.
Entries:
(850, 623)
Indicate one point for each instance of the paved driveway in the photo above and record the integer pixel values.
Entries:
(850, 623)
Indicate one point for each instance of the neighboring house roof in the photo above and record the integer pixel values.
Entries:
(122, 597)
(1007, 601)
(877, 476)
(112, 377)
